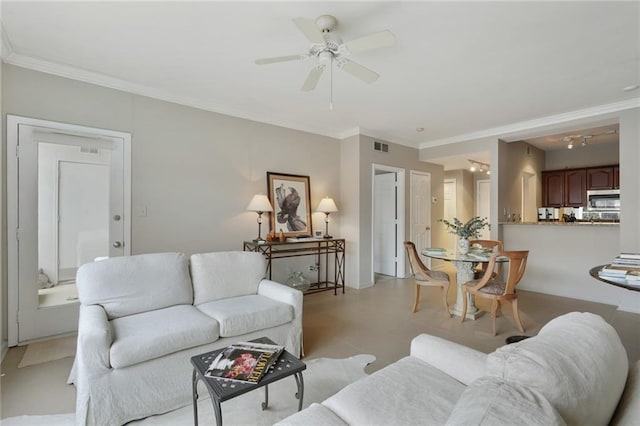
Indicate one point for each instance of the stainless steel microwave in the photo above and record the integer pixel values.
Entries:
(603, 200)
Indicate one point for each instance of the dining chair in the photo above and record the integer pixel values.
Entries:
(424, 276)
(493, 287)
(493, 245)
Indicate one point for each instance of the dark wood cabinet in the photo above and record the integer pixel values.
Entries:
(575, 188)
(601, 178)
(568, 188)
(553, 188)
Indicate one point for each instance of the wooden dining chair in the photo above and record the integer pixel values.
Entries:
(493, 287)
(493, 245)
(424, 276)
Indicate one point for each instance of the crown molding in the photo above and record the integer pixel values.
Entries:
(504, 132)
(10, 57)
(104, 80)
(6, 46)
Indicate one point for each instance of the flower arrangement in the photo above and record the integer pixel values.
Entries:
(471, 229)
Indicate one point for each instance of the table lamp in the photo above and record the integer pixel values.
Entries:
(259, 204)
(327, 206)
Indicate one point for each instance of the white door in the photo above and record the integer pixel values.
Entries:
(421, 210)
(69, 203)
(483, 204)
(450, 207)
(384, 227)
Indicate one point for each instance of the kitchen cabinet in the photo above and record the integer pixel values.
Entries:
(601, 178)
(553, 188)
(568, 188)
(575, 188)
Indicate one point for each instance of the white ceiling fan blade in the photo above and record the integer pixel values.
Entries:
(358, 71)
(312, 79)
(265, 61)
(309, 29)
(372, 41)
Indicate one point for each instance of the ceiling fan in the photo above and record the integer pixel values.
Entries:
(327, 47)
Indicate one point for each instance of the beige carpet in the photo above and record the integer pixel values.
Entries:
(49, 350)
(322, 378)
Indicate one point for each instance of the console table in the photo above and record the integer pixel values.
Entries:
(320, 248)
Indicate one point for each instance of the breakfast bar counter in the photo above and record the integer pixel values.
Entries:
(558, 223)
(561, 255)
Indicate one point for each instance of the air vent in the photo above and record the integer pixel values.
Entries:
(379, 146)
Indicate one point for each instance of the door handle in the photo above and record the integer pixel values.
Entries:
(428, 228)
(117, 244)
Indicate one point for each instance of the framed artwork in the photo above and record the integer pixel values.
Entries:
(290, 197)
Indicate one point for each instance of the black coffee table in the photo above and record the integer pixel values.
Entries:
(222, 390)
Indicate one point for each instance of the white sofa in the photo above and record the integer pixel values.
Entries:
(573, 372)
(143, 317)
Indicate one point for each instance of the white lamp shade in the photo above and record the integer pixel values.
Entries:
(260, 203)
(327, 206)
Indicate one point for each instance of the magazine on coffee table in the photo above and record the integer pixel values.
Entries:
(244, 362)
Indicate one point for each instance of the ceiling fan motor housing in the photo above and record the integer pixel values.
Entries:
(326, 23)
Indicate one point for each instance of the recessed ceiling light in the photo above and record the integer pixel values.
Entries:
(419, 129)
(630, 88)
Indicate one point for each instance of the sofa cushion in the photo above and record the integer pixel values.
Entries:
(226, 274)
(240, 315)
(133, 284)
(314, 415)
(150, 335)
(407, 392)
(490, 401)
(576, 361)
(628, 411)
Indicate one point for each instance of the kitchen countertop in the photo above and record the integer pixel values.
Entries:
(563, 223)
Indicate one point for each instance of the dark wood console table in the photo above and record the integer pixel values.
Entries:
(320, 248)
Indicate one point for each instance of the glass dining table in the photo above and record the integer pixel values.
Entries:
(465, 265)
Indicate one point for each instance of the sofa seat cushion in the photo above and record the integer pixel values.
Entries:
(241, 315)
(576, 361)
(490, 401)
(314, 415)
(149, 335)
(407, 392)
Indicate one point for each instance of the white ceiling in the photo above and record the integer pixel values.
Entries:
(457, 68)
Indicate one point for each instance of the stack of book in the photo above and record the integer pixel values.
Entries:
(245, 362)
(437, 251)
(624, 266)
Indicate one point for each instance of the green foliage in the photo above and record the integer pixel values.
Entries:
(471, 229)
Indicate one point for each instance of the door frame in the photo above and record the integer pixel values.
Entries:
(13, 121)
(400, 209)
(411, 209)
(480, 182)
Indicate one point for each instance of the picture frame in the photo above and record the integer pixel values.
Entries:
(290, 196)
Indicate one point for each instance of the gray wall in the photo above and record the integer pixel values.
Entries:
(194, 170)
(521, 158)
(401, 157)
(579, 156)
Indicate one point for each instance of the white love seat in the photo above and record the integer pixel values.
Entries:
(143, 317)
(574, 372)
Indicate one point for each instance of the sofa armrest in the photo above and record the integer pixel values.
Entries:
(282, 293)
(460, 362)
(94, 340)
